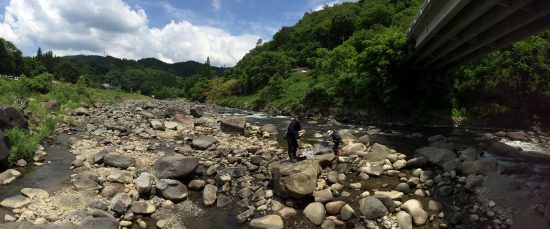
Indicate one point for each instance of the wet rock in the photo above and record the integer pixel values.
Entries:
(99, 223)
(233, 125)
(209, 194)
(469, 154)
(482, 166)
(399, 164)
(268, 221)
(414, 208)
(437, 138)
(118, 160)
(243, 217)
(404, 220)
(120, 203)
(347, 138)
(403, 187)
(372, 169)
(295, 179)
(142, 207)
(434, 205)
(378, 152)
(372, 208)
(315, 212)
(203, 142)
(175, 166)
(11, 118)
(394, 195)
(347, 212)
(81, 181)
(333, 208)
(518, 136)
(9, 176)
(322, 196)
(501, 149)
(35, 193)
(386, 200)
(17, 201)
(222, 201)
(355, 148)
(436, 155)
(171, 189)
(416, 162)
(143, 183)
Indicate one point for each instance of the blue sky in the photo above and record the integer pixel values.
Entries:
(170, 30)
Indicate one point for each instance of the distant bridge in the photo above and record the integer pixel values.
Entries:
(451, 31)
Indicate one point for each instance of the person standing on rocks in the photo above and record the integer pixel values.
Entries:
(336, 139)
(293, 132)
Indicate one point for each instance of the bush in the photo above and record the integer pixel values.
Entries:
(39, 84)
(22, 144)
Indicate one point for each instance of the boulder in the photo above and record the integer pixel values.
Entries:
(144, 182)
(295, 179)
(35, 193)
(414, 208)
(365, 140)
(99, 223)
(436, 155)
(11, 118)
(17, 201)
(315, 212)
(197, 111)
(333, 208)
(372, 169)
(378, 152)
(372, 208)
(416, 162)
(171, 189)
(517, 136)
(209, 194)
(120, 203)
(482, 166)
(355, 148)
(347, 212)
(501, 149)
(9, 176)
(175, 166)
(118, 160)
(323, 196)
(82, 181)
(404, 220)
(142, 207)
(268, 221)
(3, 147)
(156, 125)
(233, 125)
(203, 142)
(269, 128)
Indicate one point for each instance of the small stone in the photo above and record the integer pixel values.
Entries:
(268, 221)
(9, 218)
(347, 212)
(315, 212)
(161, 223)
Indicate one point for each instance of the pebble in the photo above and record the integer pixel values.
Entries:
(161, 223)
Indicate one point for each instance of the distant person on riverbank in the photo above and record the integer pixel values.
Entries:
(293, 132)
(336, 139)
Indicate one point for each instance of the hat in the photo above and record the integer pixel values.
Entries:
(329, 132)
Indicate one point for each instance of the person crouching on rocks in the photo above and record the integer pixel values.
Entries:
(336, 139)
(293, 132)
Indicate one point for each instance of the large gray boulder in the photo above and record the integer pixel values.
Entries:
(171, 189)
(378, 152)
(372, 208)
(118, 160)
(175, 166)
(233, 125)
(295, 179)
(203, 142)
(11, 118)
(436, 155)
(503, 150)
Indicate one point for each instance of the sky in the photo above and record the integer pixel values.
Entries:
(169, 30)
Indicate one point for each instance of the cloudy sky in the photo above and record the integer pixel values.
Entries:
(170, 30)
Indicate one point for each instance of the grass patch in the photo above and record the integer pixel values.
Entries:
(42, 122)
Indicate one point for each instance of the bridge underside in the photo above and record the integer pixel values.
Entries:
(451, 31)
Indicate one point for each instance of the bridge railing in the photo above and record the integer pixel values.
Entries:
(418, 15)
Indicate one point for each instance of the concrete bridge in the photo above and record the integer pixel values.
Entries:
(451, 31)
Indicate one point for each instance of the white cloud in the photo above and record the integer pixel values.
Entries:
(217, 4)
(70, 27)
(327, 4)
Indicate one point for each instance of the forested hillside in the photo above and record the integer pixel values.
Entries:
(148, 76)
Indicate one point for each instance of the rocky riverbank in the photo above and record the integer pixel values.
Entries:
(166, 164)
